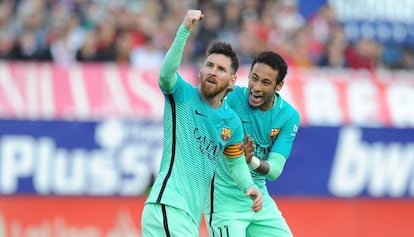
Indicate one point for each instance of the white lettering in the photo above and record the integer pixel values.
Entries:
(363, 103)
(374, 10)
(124, 169)
(122, 226)
(11, 92)
(29, 95)
(104, 178)
(44, 166)
(322, 102)
(79, 93)
(47, 98)
(400, 99)
(16, 161)
(349, 167)
(380, 169)
(133, 165)
(69, 172)
(152, 96)
(117, 93)
(391, 169)
(32, 92)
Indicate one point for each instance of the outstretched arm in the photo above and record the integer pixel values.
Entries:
(173, 57)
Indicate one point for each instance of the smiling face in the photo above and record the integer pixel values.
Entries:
(216, 75)
(262, 86)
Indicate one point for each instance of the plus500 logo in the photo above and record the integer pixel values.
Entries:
(119, 167)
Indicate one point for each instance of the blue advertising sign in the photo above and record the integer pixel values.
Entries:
(121, 157)
(110, 157)
(390, 22)
(349, 162)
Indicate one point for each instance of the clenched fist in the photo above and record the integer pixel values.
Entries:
(192, 18)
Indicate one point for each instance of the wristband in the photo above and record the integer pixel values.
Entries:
(254, 163)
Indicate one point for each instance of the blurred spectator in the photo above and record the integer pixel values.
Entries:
(395, 57)
(288, 17)
(297, 49)
(147, 55)
(6, 45)
(334, 51)
(208, 31)
(106, 38)
(32, 17)
(407, 58)
(230, 27)
(249, 41)
(364, 54)
(67, 39)
(88, 52)
(70, 31)
(123, 47)
(27, 49)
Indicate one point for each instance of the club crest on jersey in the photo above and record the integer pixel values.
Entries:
(225, 134)
(273, 133)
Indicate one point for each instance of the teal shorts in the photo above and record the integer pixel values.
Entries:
(159, 220)
(268, 222)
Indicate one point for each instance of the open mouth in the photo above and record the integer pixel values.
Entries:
(211, 82)
(255, 98)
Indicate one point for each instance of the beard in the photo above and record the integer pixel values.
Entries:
(212, 90)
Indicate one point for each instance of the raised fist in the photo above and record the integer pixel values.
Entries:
(192, 18)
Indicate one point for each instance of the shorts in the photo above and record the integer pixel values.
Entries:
(159, 220)
(267, 222)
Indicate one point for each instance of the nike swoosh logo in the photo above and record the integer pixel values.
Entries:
(245, 121)
(198, 113)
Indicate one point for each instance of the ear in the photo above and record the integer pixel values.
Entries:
(279, 85)
(233, 80)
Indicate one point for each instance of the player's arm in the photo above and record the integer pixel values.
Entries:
(272, 168)
(240, 173)
(172, 60)
(238, 167)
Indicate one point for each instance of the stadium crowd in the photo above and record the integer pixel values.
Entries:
(138, 32)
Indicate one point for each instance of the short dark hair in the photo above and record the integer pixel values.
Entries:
(221, 47)
(275, 61)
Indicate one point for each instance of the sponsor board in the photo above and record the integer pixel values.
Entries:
(96, 130)
(110, 157)
(92, 92)
(49, 216)
(385, 21)
(118, 157)
(349, 162)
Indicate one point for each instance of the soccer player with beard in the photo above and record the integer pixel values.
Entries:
(199, 130)
(272, 123)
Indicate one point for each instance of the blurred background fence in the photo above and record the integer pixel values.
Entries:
(81, 113)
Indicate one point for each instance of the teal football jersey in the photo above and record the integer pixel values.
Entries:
(195, 137)
(273, 130)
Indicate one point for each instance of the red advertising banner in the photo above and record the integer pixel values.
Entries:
(93, 91)
(70, 216)
(23, 216)
(82, 92)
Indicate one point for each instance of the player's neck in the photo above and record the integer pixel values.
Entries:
(214, 102)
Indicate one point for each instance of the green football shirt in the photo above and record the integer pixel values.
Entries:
(196, 136)
(273, 130)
